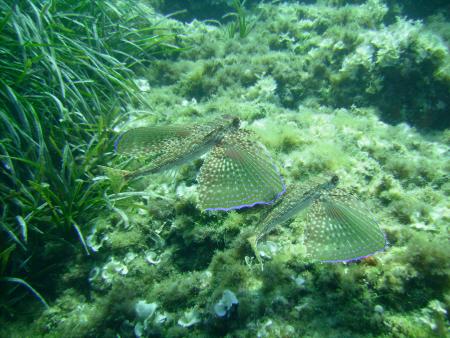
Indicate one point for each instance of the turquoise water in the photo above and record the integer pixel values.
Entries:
(219, 168)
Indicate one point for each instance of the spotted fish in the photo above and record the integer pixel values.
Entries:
(237, 173)
(338, 226)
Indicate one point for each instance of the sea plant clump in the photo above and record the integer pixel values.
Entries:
(60, 61)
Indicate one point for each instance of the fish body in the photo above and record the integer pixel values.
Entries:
(237, 172)
(296, 200)
(182, 144)
(338, 227)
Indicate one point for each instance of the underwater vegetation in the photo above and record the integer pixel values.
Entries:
(333, 55)
(60, 61)
(241, 25)
(358, 89)
(203, 10)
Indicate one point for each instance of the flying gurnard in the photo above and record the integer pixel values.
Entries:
(237, 172)
(337, 227)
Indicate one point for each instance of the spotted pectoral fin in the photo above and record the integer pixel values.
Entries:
(238, 173)
(339, 228)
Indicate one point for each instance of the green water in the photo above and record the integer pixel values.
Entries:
(357, 89)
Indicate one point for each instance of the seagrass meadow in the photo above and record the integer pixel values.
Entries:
(349, 97)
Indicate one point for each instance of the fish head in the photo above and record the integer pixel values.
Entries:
(232, 122)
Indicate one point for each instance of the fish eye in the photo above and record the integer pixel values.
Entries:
(335, 179)
(235, 122)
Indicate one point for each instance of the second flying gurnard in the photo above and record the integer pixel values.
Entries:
(338, 227)
(237, 172)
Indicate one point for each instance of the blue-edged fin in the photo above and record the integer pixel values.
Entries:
(339, 228)
(238, 173)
